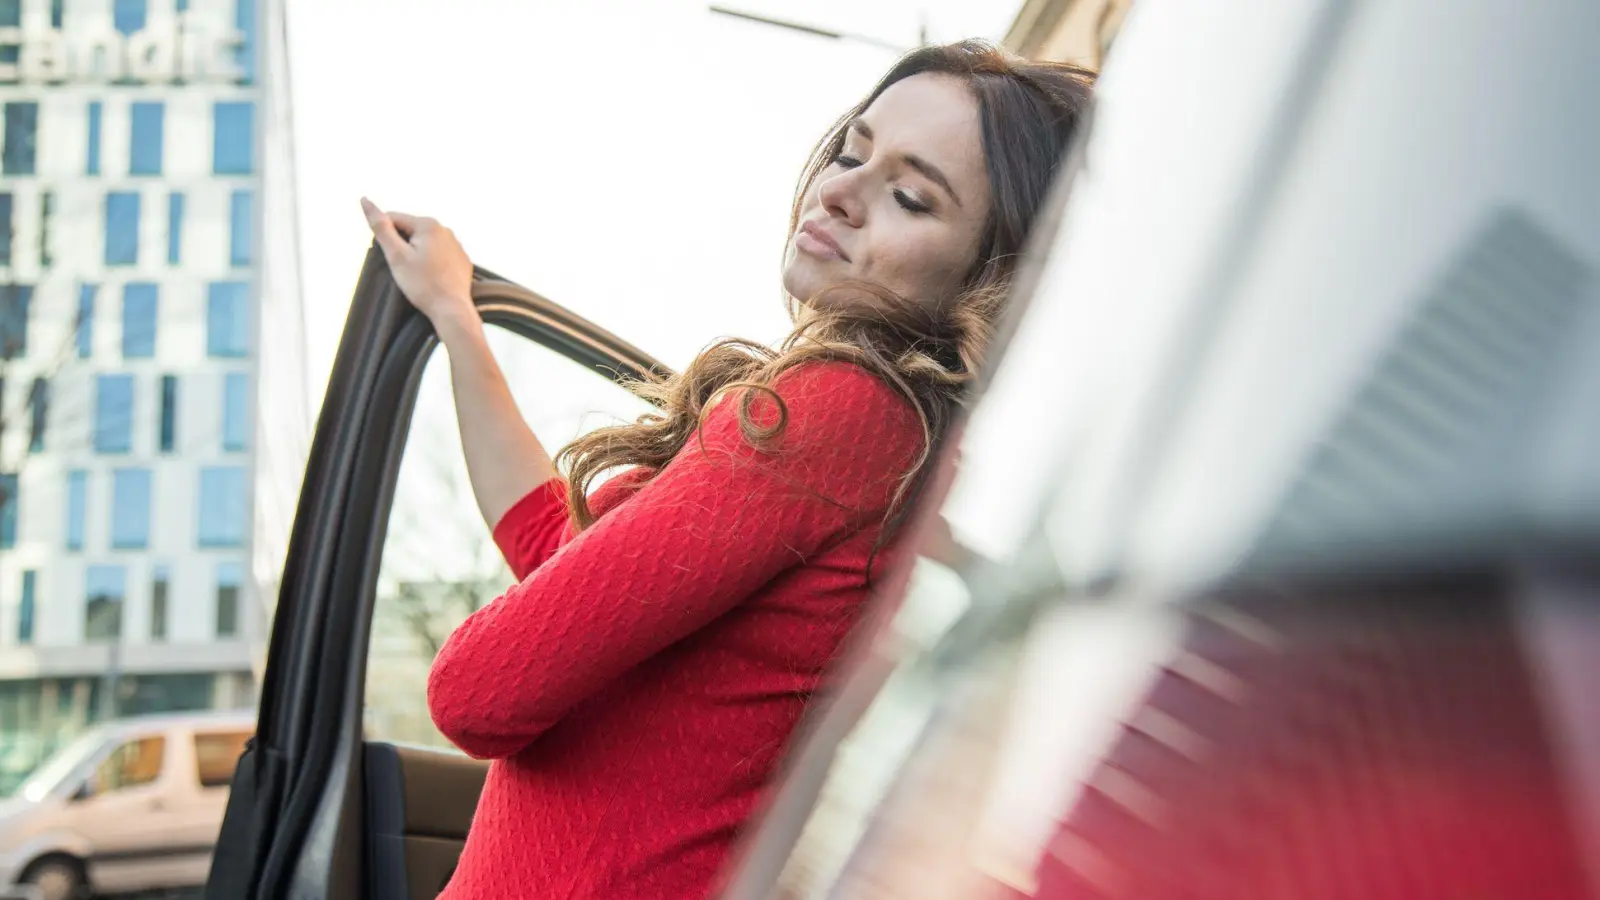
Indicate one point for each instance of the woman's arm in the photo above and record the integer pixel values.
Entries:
(718, 523)
(505, 461)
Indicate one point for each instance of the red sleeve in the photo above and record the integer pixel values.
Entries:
(719, 522)
(533, 528)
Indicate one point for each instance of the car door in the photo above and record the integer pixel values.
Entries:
(126, 813)
(346, 790)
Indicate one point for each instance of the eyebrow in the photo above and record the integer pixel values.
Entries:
(927, 169)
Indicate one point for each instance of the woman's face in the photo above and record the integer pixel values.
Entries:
(905, 203)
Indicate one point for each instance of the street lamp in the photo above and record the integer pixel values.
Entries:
(832, 34)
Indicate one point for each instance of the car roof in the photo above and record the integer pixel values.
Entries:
(245, 719)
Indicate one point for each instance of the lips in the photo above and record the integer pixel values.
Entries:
(817, 241)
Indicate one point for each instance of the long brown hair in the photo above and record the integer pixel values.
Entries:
(928, 352)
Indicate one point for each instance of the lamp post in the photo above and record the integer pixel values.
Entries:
(830, 33)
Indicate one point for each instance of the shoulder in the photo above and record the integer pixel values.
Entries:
(837, 421)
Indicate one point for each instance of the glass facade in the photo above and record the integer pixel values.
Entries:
(228, 319)
(113, 414)
(236, 412)
(77, 507)
(132, 186)
(223, 506)
(139, 310)
(145, 142)
(130, 509)
(233, 150)
(122, 228)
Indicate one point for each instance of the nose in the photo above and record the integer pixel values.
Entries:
(840, 196)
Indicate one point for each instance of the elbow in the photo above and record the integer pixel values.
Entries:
(474, 713)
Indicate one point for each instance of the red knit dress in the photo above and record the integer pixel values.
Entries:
(637, 688)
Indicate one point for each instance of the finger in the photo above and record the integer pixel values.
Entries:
(383, 230)
(409, 224)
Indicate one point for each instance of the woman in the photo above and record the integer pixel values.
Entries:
(637, 688)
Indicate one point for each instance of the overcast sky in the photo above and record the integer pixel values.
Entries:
(631, 160)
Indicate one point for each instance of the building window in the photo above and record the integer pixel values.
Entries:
(222, 506)
(85, 333)
(122, 228)
(38, 413)
(244, 14)
(14, 302)
(233, 149)
(47, 212)
(25, 612)
(92, 157)
(10, 17)
(8, 510)
(236, 411)
(174, 229)
(230, 575)
(130, 509)
(128, 15)
(113, 414)
(22, 138)
(139, 311)
(5, 229)
(168, 436)
(228, 319)
(145, 140)
(241, 215)
(160, 582)
(57, 10)
(77, 504)
(104, 589)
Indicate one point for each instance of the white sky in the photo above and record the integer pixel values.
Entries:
(633, 161)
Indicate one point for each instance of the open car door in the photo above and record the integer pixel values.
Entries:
(346, 790)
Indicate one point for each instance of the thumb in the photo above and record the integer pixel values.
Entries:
(383, 230)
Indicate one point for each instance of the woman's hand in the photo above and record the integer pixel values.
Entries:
(428, 263)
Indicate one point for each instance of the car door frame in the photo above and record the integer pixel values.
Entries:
(294, 822)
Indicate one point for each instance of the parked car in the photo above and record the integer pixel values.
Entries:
(1281, 511)
(133, 804)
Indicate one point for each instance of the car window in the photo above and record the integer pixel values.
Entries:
(134, 763)
(439, 562)
(216, 754)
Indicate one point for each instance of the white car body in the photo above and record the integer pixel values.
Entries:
(158, 833)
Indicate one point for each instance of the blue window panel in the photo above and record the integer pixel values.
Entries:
(222, 506)
(230, 578)
(183, 6)
(10, 13)
(139, 313)
(38, 414)
(104, 588)
(113, 414)
(26, 611)
(5, 229)
(128, 15)
(92, 163)
(122, 228)
(244, 14)
(130, 509)
(8, 510)
(174, 229)
(241, 214)
(145, 141)
(85, 334)
(57, 12)
(77, 506)
(228, 319)
(15, 299)
(168, 434)
(236, 411)
(233, 149)
(19, 154)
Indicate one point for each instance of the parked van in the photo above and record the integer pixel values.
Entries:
(132, 805)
